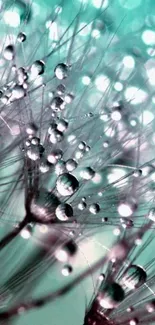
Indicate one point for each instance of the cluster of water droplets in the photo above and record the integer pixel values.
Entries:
(80, 143)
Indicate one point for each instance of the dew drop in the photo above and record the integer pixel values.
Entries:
(71, 164)
(55, 136)
(21, 37)
(111, 295)
(61, 71)
(87, 173)
(134, 277)
(61, 89)
(64, 212)
(67, 184)
(37, 68)
(67, 251)
(94, 208)
(57, 104)
(9, 52)
(54, 156)
(82, 206)
(18, 92)
(66, 270)
(60, 167)
(62, 125)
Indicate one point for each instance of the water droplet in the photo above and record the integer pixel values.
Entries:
(101, 277)
(66, 270)
(33, 153)
(9, 52)
(87, 173)
(67, 184)
(60, 167)
(62, 125)
(57, 104)
(82, 145)
(61, 71)
(127, 208)
(134, 277)
(111, 295)
(61, 89)
(82, 206)
(105, 144)
(44, 167)
(67, 251)
(21, 37)
(69, 98)
(54, 156)
(137, 173)
(37, 68)
(17, 92)
(35, 141)
(71, 164)
(31, 129)
(94, 208)
(150, 307)
(55, 136)
(26, 232)
(64, 211)
(133, 321)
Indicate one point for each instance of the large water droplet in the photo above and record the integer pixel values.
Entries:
(64, 211)
(111, 295)
(67, 184)
(134, 277)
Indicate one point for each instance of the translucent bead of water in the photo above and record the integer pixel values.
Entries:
(69, 98)
(64, 212)
(21, 37)
(82, 206)
(18, 92)
(134, 277)
(31, 129)
(94, 208)
(60, 167)
(62, 125)
(57, 104)
(37, 68)
(110, 295)
(35, 141)
(87, 173)
(67, 251)
(61, 89)
(66, 270)
(67, 184)
(55, 136)
(33, 153)
(44, 167)
(9, 52)
(54, 156)
(71, 164)
(61, 71)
